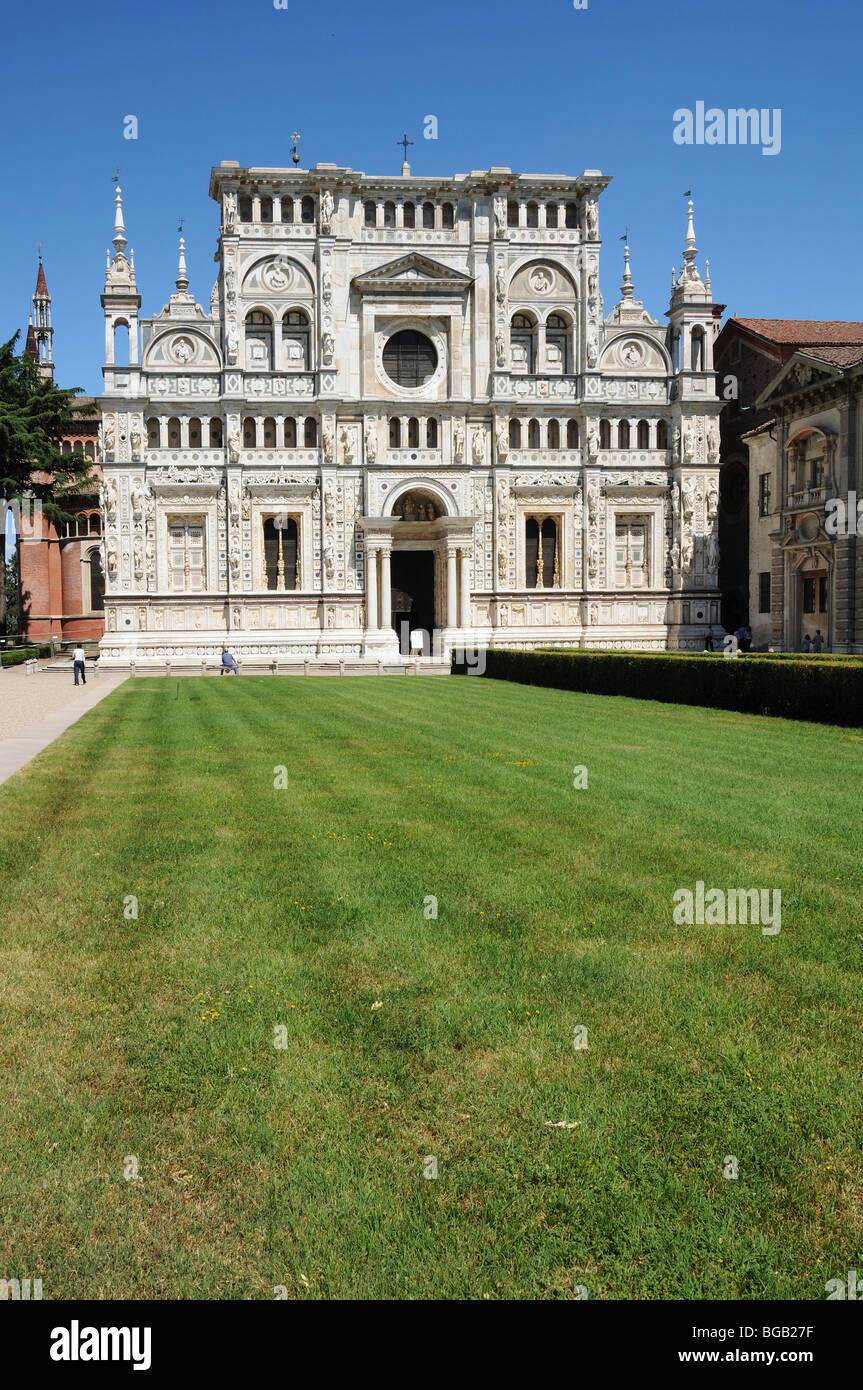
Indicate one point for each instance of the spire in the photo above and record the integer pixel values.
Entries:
(626, 287)
(182, 277)
(41, 282)
(707, 285)
(119, 237)
(690, 251)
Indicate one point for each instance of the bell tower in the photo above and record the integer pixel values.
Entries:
(120, 298)
(40, 333)
(691, 327)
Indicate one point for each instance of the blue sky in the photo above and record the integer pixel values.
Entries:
(540, 87)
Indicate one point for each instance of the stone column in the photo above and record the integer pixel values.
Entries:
(277, 207)
(386, 589)
(451, 595)
(371, 588)
(464, 590)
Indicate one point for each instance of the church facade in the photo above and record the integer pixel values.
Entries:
(404, 410)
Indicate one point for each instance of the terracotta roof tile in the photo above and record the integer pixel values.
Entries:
(844, 356)
(805, 331)
(42, 283)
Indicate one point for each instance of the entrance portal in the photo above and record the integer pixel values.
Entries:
(413, 595)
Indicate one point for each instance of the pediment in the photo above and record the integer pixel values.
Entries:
(413, 274)
(799, 373)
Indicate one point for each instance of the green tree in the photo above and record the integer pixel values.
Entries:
(12, 594)
(34, 416)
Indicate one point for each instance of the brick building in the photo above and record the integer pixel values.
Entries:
(749, 354)
(60, 569)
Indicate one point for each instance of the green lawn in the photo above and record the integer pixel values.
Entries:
(302, 908)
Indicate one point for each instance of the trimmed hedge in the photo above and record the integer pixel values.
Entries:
(825, 692)
(18, 655)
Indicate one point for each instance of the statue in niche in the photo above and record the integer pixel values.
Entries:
(500, 216)
(328, 443)
(478, 446)
(233, 345)
(229, 216)
(713, 552)
(458, 442)
(371, 443)
(327, 208)
(500, 349)
(137, 499)
(502, 439)
(234, 445)
(591, 215)
(328, 348)
(500, 281)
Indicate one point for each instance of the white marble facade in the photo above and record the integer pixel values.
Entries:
(397, 365)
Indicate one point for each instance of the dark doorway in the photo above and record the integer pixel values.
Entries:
(413, 595)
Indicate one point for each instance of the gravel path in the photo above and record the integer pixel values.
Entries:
(26, 700)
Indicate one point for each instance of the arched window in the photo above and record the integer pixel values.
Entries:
(551, 214)
(250, 433)
(557, 344)
(572, 215)
(623, 434)
(523, 344)
(245, 208)
(296, 340)
(266, 209)
(409, 216)
(290, 433)
(95, 524)
(90, 449)
(515, 434)
(553, 434)
(153, 434)
(310, 433)
(413, 433)
(121, 343)
(371, 213)
(697, 348)
(662, 434)
(287, 208)
(307, 209)
(512, 213)
(280, 552)
(431, 433)
(194, 433)
(395, 432)
(216, 433)
(259, 341)
(540, 552)
(447, 216)
(604, 434)
(428, 214)
(173, 433)
(533, 434)
(533, 214)
(269, 433)
(96, 581)
(389, 214)
(643, 435)
(572, 434)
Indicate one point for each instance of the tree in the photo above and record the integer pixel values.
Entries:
(12, 594)
(34, 416)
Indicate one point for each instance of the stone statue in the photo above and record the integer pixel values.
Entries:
(713, 552)
(371, 443)
(327, 209)
(108, 436)
(478, 446)
(458, 442)
(500, 281)
(111, 499)
(137, 499)
(234, 444)
(592, 284)
(328, 443)
(502, 439)
(229, 213)
(591, 214)
(328, 347)
(592, 344)
(500, 349)
(500, 216)
(347, 438)
(233, 344)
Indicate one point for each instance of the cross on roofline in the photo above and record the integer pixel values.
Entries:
(405, 142)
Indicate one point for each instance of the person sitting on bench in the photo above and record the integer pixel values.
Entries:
(229, 665)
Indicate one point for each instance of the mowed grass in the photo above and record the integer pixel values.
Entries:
(262, 908)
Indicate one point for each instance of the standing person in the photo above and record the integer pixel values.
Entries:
(78, 663)
(807, 644)
(229, 665)
(818, 642)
